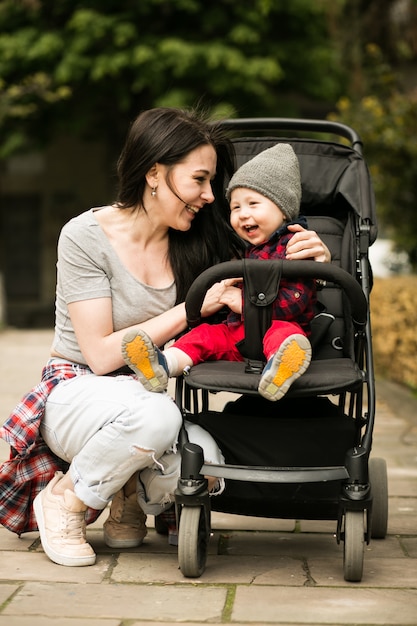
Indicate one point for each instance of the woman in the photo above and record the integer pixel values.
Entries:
(126, 266)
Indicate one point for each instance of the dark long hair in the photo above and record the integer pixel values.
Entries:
(167, 136)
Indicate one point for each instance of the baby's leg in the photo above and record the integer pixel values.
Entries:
(152, 366)
(177, 360)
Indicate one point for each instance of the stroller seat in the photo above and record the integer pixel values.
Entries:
(330, 376)
(334, 368)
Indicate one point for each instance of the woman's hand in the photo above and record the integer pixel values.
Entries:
(306, 244)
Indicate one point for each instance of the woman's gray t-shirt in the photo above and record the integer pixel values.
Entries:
(87, 268)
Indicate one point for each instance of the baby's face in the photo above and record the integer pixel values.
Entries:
(253, 216)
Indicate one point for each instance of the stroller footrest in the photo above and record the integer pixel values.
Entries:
(285, 475)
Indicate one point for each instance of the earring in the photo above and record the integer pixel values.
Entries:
(153, 192)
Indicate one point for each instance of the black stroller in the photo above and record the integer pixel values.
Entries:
(310, 458)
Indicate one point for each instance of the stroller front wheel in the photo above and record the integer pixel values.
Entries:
(354, 543)
(193, 538)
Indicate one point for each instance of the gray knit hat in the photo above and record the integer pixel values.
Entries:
(275, 173)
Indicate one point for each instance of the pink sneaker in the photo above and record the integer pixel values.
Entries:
(61, 523)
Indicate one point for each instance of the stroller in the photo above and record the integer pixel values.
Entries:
(311, 455)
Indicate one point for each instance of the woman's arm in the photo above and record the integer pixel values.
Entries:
(306, 244)
(101, 346)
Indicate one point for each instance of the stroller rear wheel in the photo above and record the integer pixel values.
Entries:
(354, 545)
(193, 539)
(379, 486)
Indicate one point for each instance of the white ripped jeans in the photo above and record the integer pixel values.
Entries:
(108, 428)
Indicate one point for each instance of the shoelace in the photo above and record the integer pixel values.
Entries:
(73, 526)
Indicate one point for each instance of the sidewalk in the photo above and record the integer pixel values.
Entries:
(259, 571)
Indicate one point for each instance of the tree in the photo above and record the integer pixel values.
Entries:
(387, 121)
(381, 104)
(90, 66)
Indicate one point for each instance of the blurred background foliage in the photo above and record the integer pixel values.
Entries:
(380, 102)
(92, 65)
(88, 67)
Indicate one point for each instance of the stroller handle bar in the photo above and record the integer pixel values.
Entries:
(289, 269)
(295, 124)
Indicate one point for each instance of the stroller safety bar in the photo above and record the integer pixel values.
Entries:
(289, 269)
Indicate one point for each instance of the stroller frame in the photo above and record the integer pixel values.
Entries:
(358, 496)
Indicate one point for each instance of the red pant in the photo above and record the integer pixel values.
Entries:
(215, 342)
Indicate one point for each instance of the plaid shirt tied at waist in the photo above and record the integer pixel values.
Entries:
(31, 465)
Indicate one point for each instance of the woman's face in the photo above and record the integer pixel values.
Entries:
(188, 187)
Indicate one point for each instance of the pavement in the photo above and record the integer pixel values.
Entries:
(259, 571)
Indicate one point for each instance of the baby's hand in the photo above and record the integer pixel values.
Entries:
(222, 294)
(232, 296)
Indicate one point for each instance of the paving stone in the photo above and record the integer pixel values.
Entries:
(385, 548)
(226, 521)
(402, 517)
(409, 545)
(219, 570)
(149, 568)
(162, 602)
(11, 541)
(281, 544)
(6, 591)
(37, 566)
(325, 606)
(402, 486)
(317, 526)
(377, 572)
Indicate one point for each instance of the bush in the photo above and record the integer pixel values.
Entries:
(394, 328)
